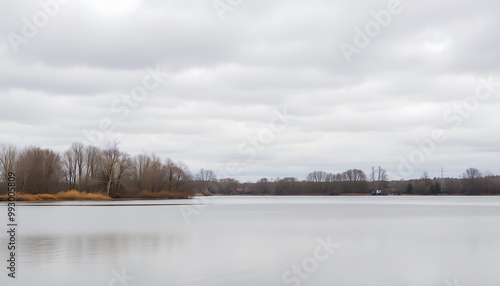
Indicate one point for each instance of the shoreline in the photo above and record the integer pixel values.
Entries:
(72, 196)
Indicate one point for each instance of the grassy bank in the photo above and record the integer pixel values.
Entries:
(61, 196)
(147, 195)
(73, 195)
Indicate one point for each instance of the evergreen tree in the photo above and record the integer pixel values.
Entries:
(409, 189)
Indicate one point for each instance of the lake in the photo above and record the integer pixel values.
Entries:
(258, 241)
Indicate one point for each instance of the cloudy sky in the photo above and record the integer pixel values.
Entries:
(255, 88)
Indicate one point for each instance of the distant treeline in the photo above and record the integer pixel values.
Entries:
(115, 173)
(484, 185)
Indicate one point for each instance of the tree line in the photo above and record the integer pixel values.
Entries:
(109, 171)
(355, 181)
(116, 173)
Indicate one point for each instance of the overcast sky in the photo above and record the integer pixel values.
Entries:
(256, 88)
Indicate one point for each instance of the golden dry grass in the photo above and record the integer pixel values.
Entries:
(71, 195)
(28, 197)
(21, 197)
(47, 197)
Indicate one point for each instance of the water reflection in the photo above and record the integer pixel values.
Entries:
(253, 241)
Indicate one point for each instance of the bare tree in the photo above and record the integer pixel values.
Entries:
(141, 166)
(109, 159)
(472, 174)
(264, 186)
(339, 177)
(287, 186)
(227, 185)
(373, 177)
(382, 174)
(317, 183)
(334, 183)
(355, 175)
(425, 176)
(355, 181)
(38, 170)
(8, 157)
(317, 176)
(78, 150)
(472, 181)
(92, 158)
(156, 176)
(114, 165)
(73, 160)
(206, 175)
(206, 179)
(379, 178)
(69, 169)
(124, 164)
(177, 175)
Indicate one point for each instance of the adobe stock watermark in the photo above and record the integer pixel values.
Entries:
(372, 29)
(12, 225)
(39, 20)
(299, 273)
(222, 7)
(121, 107)
(455, 117)
(260, 141)
(250, 148)
(455, 282)
(120, 279)
(187, 211)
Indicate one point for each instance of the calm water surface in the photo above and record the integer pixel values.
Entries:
(229, 241)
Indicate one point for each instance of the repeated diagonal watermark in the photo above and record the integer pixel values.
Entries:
(454, 117)
(187, 211)
(222, 7)
(455, 282)
(363, 37)
(249, 148)
(120, 278)
(32, 26)
(303, 271)
(260, 141)
(122, 106)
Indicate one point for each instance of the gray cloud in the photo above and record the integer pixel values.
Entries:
(226, 79)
